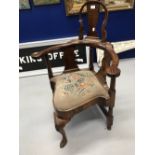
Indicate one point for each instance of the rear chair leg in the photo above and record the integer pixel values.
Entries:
(59, 126)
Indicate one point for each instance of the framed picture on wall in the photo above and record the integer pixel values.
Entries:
(24, 4)
(73, 6)
(45, 2)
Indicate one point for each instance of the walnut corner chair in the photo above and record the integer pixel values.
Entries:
(75, 90)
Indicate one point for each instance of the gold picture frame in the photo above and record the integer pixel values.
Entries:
(45, 2)
(24, 4)
(73, 6)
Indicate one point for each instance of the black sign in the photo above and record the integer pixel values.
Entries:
(27, 63)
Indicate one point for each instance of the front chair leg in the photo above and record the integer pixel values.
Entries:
(112, 93)
(59, 125)
(110, 110)
(110, 118)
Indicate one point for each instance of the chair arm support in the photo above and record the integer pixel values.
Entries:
(113, 70)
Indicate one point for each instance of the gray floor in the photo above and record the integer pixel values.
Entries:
(87, 133)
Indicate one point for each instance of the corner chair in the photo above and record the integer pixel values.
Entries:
(75, 90)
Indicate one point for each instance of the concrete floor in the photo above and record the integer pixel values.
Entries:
(87, 133)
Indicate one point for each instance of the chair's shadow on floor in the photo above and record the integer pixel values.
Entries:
(84, 130)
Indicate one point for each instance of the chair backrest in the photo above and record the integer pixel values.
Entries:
(93, 9)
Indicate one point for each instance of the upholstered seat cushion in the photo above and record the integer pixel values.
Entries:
(77, 88)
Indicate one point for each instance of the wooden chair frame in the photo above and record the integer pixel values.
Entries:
(109, 67)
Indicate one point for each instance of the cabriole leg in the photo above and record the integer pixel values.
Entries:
(59, 125)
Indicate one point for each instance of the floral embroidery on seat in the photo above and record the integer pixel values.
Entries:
(79, 83)
(76, 88)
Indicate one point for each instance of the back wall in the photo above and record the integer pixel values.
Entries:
(51, 22)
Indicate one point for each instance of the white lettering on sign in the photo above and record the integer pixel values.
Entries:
(32, 60)
(28, 59)
(76, 53)
(55, 55)
(61, 54)
(20, 68)
(51, 56)
(39, 60)
(22, 61)
(79, 60)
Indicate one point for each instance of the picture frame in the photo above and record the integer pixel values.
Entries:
(73, 6)
(45, 2)
(24, 4)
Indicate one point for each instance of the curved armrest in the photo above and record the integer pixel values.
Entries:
(95, 43)
(51, 49)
